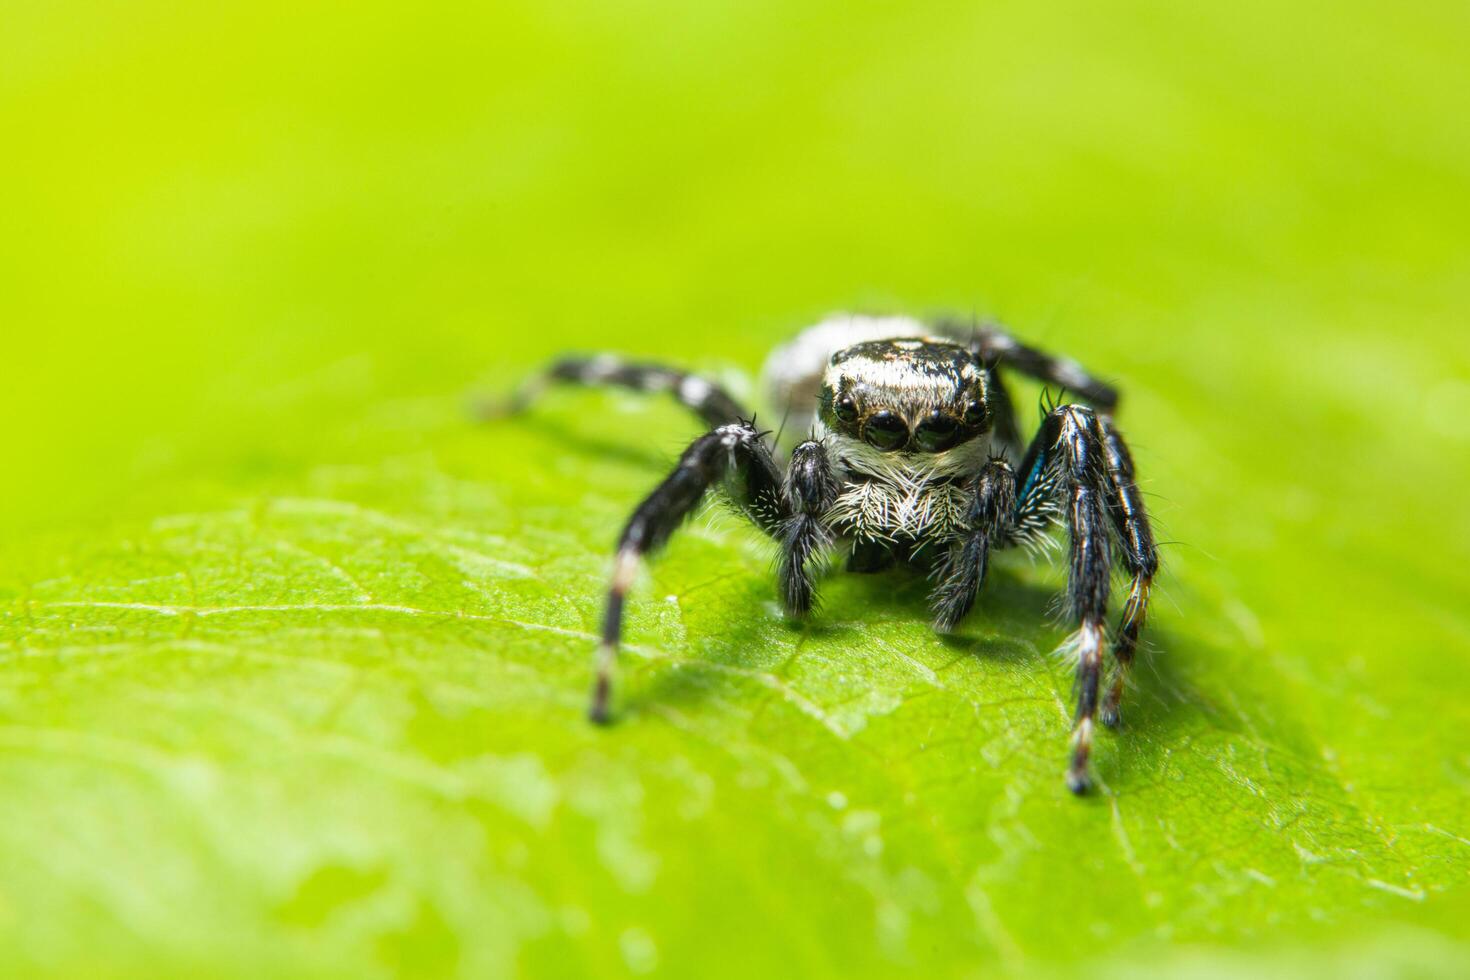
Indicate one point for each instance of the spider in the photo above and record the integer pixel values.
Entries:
(913, 456)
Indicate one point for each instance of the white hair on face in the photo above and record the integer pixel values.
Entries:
(911, 494)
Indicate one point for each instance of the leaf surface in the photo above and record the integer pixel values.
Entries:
(295, 650)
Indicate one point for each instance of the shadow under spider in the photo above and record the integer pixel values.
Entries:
(1014, 623)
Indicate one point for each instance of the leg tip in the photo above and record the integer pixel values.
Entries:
(488, 410)
(1078, 783)
(1111, 716)
(947, 620)
(598, 712)
(493, 409)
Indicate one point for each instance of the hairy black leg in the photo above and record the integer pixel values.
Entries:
(1067, 463)
(962, 573)
(1088, 583)
(994, 346)
(1139, 557)
(735, 451)
(705, 398)
(809, 493)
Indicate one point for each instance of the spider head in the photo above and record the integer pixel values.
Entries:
(915, 396)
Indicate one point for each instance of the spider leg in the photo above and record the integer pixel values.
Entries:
(963, 572)
(809, 493)
(994, 346)
(734, 457)
(1067, 462)
(1138, 554)
(703, 397)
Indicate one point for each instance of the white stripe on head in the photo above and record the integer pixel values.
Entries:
(898, 384)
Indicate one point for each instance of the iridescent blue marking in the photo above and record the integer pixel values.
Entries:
(1031, 479)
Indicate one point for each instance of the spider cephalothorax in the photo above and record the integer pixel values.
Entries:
(912, 455)
(916, 396)
(906, 420)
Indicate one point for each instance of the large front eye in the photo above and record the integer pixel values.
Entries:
(936, 432)
(885, 431)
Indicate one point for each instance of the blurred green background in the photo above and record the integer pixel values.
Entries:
(294, 651)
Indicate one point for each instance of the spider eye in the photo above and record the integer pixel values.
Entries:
(845, 408)
(974, 412)
(936, 433)
(885, 431)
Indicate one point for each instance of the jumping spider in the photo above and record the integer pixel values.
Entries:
(913, 456)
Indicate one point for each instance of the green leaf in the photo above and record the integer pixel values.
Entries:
(296, 650)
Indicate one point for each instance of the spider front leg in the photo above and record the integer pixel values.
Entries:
(1078, 464)
(809, 493)
(736, 457)
(963, 571)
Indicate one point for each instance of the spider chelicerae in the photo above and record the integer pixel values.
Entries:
(912, 455)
